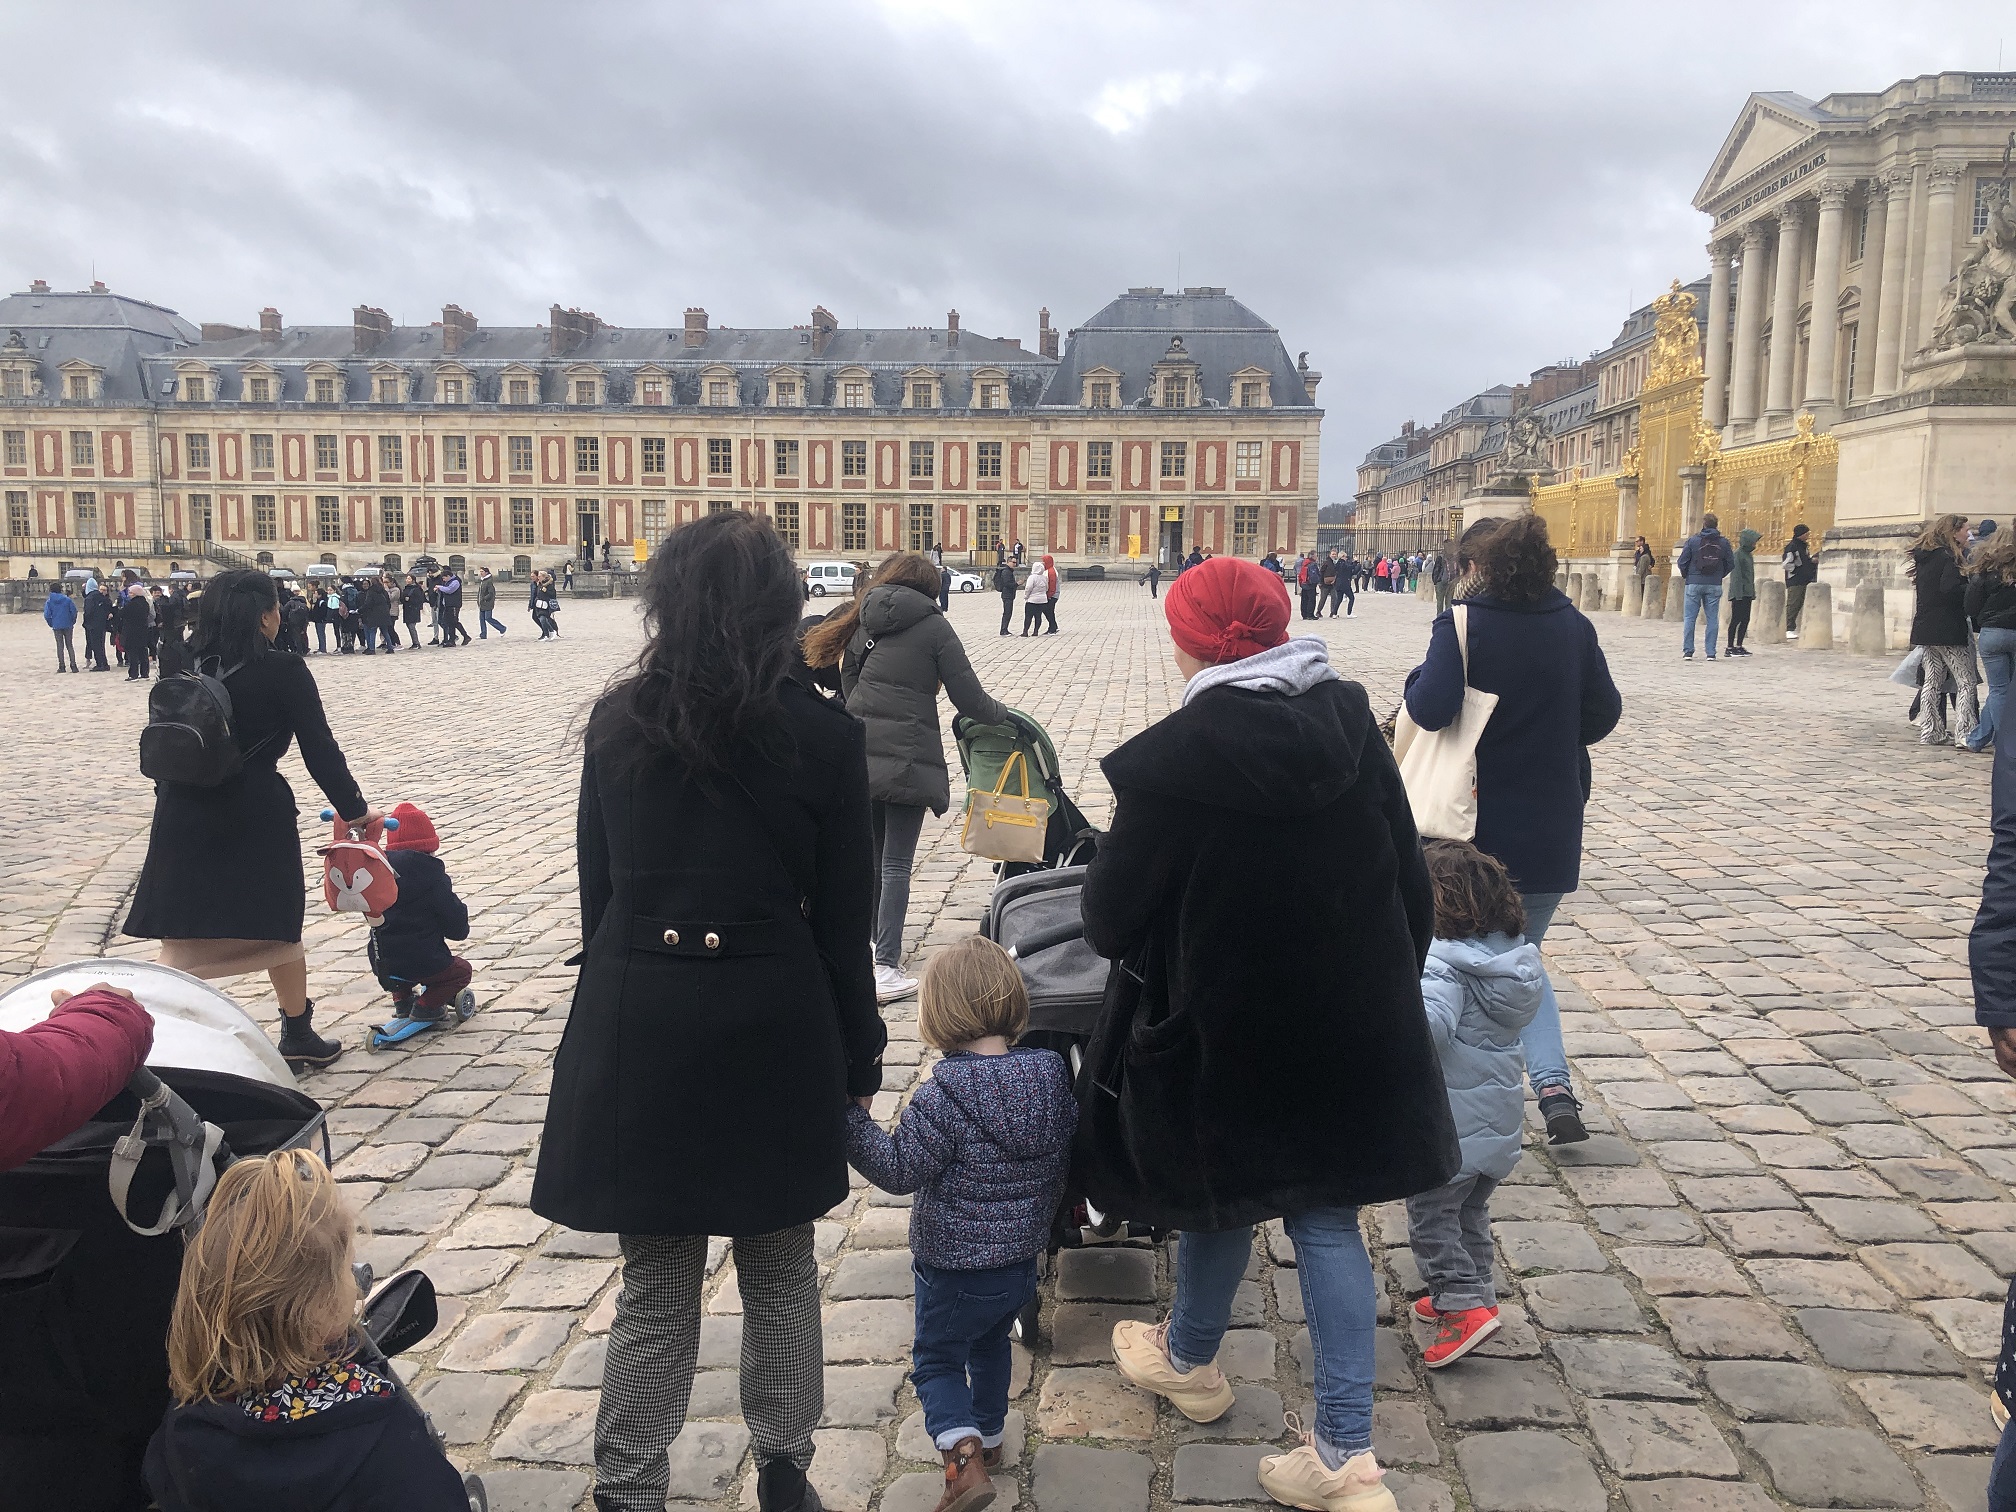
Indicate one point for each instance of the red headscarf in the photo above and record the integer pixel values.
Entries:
(1224, 609)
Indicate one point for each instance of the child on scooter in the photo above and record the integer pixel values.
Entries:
(409, 944)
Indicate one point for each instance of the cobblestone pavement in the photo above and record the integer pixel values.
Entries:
(1774, 1273)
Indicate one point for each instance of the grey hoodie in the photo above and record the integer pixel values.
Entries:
(1479, 994)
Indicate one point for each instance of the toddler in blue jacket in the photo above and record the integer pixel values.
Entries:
(1481, 986)
(985, 1144)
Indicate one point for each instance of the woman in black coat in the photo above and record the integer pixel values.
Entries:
(725, 1011)
(412, 600)
(895, 649)
(1540, 655)
(1215, 1098)
(223, 888)
(1939, 629)
(377, 616)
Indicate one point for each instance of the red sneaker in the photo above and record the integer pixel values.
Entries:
(1458, 1334)
(1424, 1309)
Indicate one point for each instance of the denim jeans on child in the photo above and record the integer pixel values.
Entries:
(1449, 1230)
(1337, 1296)
(1546, 1055)
(961, 1359)
(1704, 599)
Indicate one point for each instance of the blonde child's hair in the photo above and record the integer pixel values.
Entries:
(971, 990)
(266, 1289)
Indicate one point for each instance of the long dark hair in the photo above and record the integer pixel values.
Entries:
(720, 623)
(1515, 563)
(826, 640)
(228, 613)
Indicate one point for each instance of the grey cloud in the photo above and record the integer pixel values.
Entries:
(1430, 198)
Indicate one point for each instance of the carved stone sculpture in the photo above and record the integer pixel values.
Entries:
(1526, 442)
(1979, 303)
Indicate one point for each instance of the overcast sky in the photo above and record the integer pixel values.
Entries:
(1429, 198)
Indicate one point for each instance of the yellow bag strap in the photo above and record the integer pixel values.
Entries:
(1014, 763)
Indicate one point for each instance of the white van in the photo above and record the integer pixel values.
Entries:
(830, 577)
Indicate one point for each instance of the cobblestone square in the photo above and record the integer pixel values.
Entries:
(1775, 1272)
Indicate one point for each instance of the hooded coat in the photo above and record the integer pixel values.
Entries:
(1479, 994)
(903, 650)
(1706, 558)
(1939, 612)
(1743, 577)
(59, 610)
(1217, 1095)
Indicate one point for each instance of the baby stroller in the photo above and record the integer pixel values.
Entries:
(984, 750)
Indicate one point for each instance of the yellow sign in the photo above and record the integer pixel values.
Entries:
(1134, 546)
(639, 551)
(1172, 513)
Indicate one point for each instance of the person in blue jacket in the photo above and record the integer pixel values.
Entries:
(59, 613)
(1540, 655)
(409, 946)
(1705, 560)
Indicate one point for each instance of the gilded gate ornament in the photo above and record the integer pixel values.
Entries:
(1676, 339)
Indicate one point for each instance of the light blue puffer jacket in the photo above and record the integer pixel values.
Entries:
(1479, 994)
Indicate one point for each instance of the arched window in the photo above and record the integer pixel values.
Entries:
(456, 564)
(392, 563)
(520, 566)
(328, 559)
(264, 559)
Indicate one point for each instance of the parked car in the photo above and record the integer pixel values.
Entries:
(831, 577)
(966, 582)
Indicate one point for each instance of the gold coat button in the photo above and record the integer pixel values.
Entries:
(671, 937)
(713, 941)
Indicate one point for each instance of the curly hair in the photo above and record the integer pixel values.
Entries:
(825, 641)
(1514, 563)
(1474, 894)
(1996, 555)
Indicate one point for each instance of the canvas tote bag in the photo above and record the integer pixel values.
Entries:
(1004, 826)
(1439, 767)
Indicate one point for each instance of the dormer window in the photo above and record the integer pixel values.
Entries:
(520, 385)
(651, 387)
(258, 390)
(851, 396)
(521, 391)
(13, 383)
(720, 388)
(1102, 388)
(787, 392)
(80, 386)
(584, 385)
(920, 389)
(1174, 381)
(787, 388)
(1101, 396)
(82, 381)
(390, 388)
(325, 384)
(990, 389)
(452, 390)
(1251, 389)
(1175, 391)
(195, 388)
(921, 396)
(990, 396)
(854, 388)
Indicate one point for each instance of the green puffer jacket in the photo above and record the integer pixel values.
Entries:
(1743, 576)
(901, 653)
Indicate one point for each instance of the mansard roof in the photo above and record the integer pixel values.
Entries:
(1220, 335)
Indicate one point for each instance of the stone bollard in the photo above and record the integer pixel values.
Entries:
(1592, 592)
(1574, 589)
(1676, 599)
(1768, 618)
(1634, 597)
(1867, 634)
(1654, 606)
(1816, 620)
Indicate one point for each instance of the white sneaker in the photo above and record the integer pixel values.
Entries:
(891, 984)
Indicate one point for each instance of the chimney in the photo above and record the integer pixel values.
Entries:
(568, 329)
(369, 327)
(696, 327)
(457, 326)
(269, 324)
(1310, 377)
(1406, 427)
(823, 327)
(99, 288)
(1046, 335)
(39, 286)
(951, 328)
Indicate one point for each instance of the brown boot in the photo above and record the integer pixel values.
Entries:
(967, 1488)
(991, 1458)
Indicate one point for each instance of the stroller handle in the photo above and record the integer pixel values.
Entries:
(1047, 939)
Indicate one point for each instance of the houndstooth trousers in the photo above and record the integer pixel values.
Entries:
(1947, 668)
(655, 1343)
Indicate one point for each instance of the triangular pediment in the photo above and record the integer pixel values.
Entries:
(1768, 128)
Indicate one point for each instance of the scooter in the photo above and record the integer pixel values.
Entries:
(410, 1024)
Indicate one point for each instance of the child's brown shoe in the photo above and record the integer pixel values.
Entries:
(967, 1488)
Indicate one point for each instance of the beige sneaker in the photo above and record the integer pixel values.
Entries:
(1141, 1350)
(1299, 1478)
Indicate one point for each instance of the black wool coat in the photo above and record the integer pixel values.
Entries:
(701, 1088)
(1241, 1094)
(1939, 591)
(224, 863)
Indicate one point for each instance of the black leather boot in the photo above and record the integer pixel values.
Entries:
(300, 1045)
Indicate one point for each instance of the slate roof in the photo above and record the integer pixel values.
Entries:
(1219, 333)
(109, 331)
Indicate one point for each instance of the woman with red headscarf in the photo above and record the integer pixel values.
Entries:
(1216, 1100)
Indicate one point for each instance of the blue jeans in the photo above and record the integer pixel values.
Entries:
(484, 620)
(1998, 661)
(1337, 1296)
(961, 1359)
(1546, 1056)
(1702, 598)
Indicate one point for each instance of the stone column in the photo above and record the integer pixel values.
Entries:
(1890, 306)
(1937, 270)
(1693, 494)
(1872, 288)
(1743, 396)
(1715, 393)
(1826, 298)
(1785, 311)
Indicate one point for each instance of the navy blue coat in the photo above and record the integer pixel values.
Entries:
(1991, 946)
(412, 942)
(1555, 697)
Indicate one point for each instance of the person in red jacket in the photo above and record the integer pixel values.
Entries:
(54, 1075)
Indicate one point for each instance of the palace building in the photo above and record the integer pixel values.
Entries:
(1168, 420)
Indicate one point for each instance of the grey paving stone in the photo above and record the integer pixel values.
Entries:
(507, 1341)
(1938, 1180)
(1613, 1186)
(558, 1283)
(1255, 1414)
(1873, 1222)
(720, 1342)
(1663, 1124)
(1861, 1185)
(1528, 1471)
(557, 1427)
(1875, 1342)
(1645, 1094)
(1548, 1247)
(416, 1212)
(1530, 1203)
(1843, 1107)
(1106, 1274)
(1219, 1472)
(444, 1171)
(1792, 1235)
(1736, 1194)
(387, 1254)
(1419, 1492)
(534, 1490)
(1516, 1338)
(1928, 1412)
(1701, 1157)
(1081, 1333)
(1831, 1467)
(496, 1228)
(465, 1406)
(1401, 1436)
(457, 1273)
(847, 1466)
(873, 1273)
(1075, 1478)
(1726, 1328)
(1958, 1480)
(1622, 1368)
(1820, 1283)
(1484, 1393)
(584, 1362)
(716, 1394)
(1974, 1327)
(1931, 1270)
(920, 1493)
(1891, 1141)
(1287, 1296)
(1097, 1402)
(1686, 1494)
(1597, 1150)
(571, 1244)
(1247, 1354)
(1771, 1391)
(426, 1131)
(704, 1460)
(869, 1330)
(1646, 1225)
(860, 1396)
(1674, 1272)
(1646, 1439)
(1584, 1304)
(1249, 1304)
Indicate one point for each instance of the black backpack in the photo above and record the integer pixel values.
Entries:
(1712, 555)
(188, 736)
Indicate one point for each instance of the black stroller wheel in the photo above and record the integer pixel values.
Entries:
(1026, 1323)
